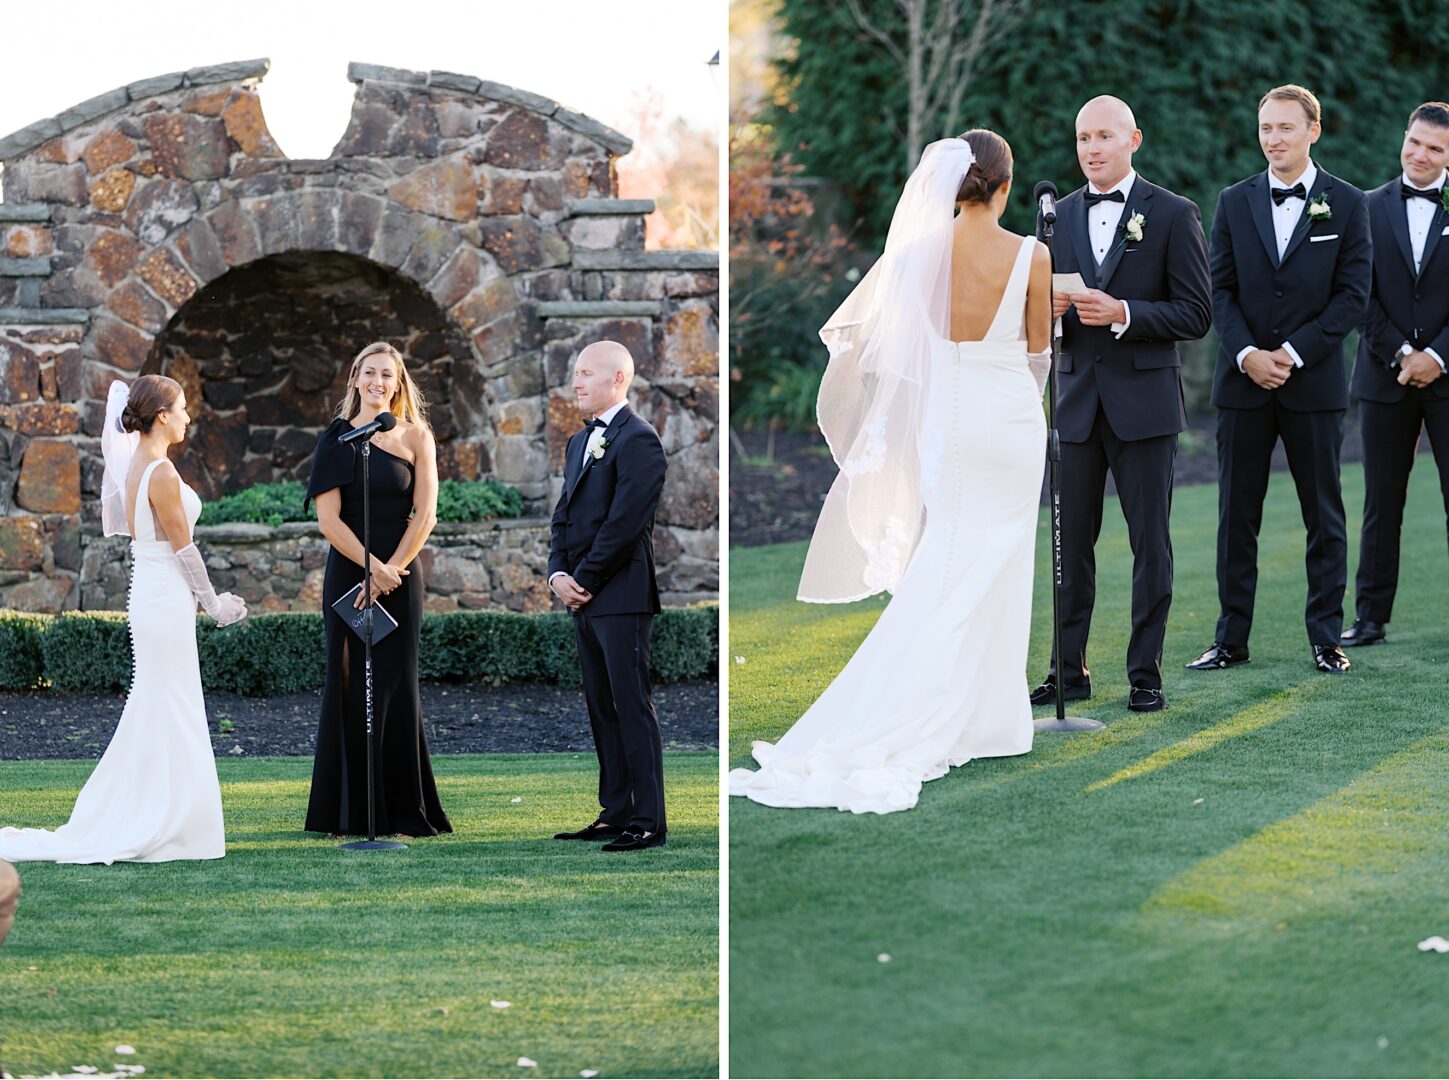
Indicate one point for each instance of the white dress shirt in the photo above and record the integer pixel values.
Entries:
(1102, 221)
(1286, 216)
(1420, 213)
(596, 436)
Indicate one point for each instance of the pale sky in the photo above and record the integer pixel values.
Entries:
(598, 57)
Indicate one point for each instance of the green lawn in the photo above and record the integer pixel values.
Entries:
(1235, 886)
(292, 958)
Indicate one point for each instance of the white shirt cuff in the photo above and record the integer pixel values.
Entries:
(1291, 351)
(1120, 328)
(1437, 359)
(555, 574)
(1243, 355)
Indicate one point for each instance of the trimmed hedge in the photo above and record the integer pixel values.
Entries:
(286, 653)
(273, 504)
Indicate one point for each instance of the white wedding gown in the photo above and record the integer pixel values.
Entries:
(154, 796)
(941, 678)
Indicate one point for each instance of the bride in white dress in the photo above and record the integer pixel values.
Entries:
(154, 796)
(932, 408)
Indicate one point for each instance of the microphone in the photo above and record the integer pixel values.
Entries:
(1045, 194)
(384, 422)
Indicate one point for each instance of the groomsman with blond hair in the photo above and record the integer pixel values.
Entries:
(1291, 267)
(1398, 377)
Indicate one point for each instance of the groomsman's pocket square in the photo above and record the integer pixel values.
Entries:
(1320, 239)
(1446, 231)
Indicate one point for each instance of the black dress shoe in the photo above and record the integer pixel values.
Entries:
(1220, 655)
(1362, 632)
(1330, 659)
(1146, 699)
(634, 840)
(1046, 693)
(599, 830)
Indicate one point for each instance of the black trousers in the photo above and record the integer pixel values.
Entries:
(1246, 438)
(1390, 441)
(1143, 471)
(614, 655)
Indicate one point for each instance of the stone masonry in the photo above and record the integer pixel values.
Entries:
(159, 228)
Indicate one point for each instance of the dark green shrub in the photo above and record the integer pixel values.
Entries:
(22, 664)
(286, 653)
(273, 504)
(87, 651)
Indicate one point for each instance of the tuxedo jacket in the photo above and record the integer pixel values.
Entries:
(1164, 279)
(1403, 306)
(603, 525)
(1311, 298)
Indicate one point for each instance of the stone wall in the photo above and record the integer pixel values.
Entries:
(159, 227)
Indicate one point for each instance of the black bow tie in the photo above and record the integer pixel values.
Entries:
(594, 423)
(1282, 195)
(1432, 194)
(1106, 196)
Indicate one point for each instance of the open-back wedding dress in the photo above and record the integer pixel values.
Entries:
(941, 678)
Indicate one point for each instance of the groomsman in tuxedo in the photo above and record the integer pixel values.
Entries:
(1291, 266)
(1139, 249)
(1398, 377)
(601, 564)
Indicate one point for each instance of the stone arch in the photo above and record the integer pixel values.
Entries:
(498, 205)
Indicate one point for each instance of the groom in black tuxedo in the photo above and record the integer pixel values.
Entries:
(1398, 377)
(1139, 249)
(601, 564)
(1291, 267)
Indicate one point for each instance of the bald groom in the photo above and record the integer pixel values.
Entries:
(601, 564)
(1140, 251)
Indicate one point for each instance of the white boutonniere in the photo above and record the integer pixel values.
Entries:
(597, 453)
(1134, 227)
(1319, 210)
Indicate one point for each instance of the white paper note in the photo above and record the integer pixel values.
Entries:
(1068, 284)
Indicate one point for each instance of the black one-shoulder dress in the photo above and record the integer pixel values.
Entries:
(405, 796)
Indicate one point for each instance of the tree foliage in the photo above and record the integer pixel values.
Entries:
(1193, 71)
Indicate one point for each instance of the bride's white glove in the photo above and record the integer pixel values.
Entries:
(1041, 366)
(225, 608)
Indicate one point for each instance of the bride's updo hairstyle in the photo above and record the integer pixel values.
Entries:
(989, 171)
(150, 396)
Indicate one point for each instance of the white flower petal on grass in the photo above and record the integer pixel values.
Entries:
(1197, 802)
(527, 1063)
(588, 1074)
(84, 1070)
(739, 660)
(516, 799)
(884, 958)
(1383, 1042)
(123, 1049)
(1434, 944)
(501, 1004)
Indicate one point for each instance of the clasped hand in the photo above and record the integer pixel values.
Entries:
(1094, 307)
(570, 591)
(385, 578)
(1418, 370)
(1269, 370)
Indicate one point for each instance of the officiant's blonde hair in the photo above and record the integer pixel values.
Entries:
(1300, 94)
(408, 403)
(989, 171)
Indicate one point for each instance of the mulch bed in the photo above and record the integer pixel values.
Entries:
(460, 719)
(776, 501)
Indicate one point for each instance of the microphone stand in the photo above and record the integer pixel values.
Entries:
(1061, 722)
(372, 843)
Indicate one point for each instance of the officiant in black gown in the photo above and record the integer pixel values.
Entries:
(1291, 265)
(404, 491)
(1399, 375)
